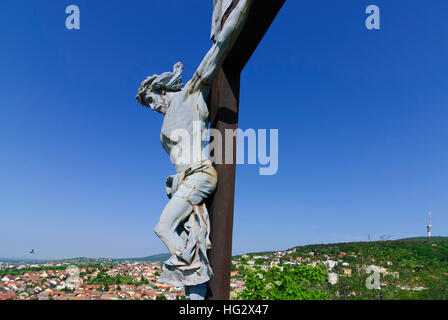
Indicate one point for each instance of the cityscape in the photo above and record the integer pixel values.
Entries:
(414, 268)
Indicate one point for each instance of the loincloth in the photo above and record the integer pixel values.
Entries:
(191, 266)
(195, 184)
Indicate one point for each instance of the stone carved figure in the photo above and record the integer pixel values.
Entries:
(219, 9)
(184, 224)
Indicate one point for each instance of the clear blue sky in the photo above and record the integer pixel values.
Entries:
(361, 117)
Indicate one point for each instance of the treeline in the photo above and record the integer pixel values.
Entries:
(22, 271)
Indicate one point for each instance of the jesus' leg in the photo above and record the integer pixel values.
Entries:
(176, 211)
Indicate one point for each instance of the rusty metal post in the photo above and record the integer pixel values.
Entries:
(224, 104)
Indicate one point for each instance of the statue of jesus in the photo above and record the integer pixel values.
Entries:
(184, 224)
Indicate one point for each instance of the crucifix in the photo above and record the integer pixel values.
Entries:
(201, 245)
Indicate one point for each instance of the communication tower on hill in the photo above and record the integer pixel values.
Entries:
(429, 227)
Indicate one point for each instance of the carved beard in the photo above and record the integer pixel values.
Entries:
(162, 107)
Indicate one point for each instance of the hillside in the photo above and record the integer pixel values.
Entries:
(153, 258)
(86, 260)
(16, 260)
(406, 269)
(424, 239)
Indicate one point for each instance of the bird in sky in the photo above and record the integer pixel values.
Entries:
(32, 251)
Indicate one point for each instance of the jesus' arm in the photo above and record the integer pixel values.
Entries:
(215, 57)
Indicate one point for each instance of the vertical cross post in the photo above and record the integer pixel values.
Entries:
(224, 107)
(225, 99)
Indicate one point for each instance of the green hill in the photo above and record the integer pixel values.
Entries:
(407, 269)
(108, 261)
(154, 258)
(424, 239)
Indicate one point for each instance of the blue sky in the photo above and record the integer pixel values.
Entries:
(361, 117)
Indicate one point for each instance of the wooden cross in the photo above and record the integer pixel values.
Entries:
(224, 105)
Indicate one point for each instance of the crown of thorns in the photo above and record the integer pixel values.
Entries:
(168, 81)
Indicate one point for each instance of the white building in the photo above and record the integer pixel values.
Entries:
(330, 264)
(333, 278)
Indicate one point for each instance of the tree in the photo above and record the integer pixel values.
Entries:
(288, 282)
(343, 287)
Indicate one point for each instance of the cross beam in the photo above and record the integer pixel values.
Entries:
(224, 107)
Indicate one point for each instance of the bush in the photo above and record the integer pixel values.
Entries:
(289, 282)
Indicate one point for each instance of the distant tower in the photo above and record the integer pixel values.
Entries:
(429, 227)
